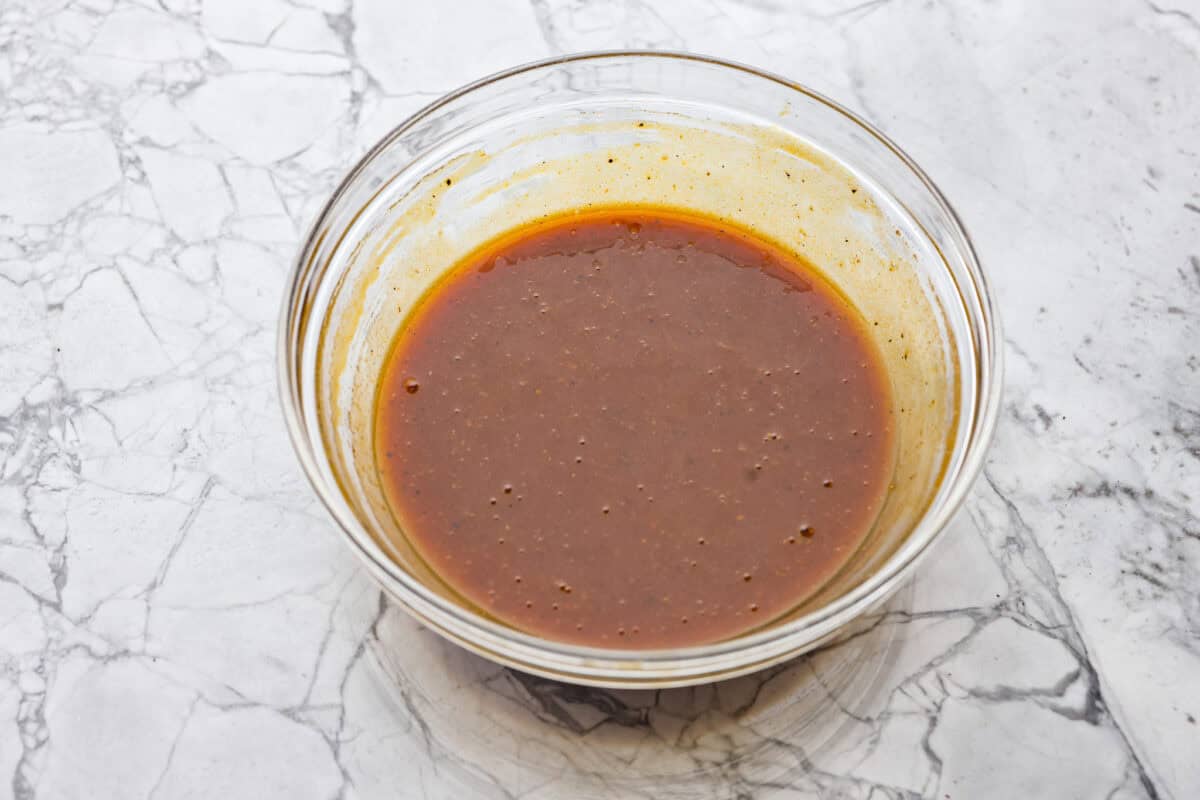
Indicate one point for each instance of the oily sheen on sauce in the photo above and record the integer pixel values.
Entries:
(634, 429)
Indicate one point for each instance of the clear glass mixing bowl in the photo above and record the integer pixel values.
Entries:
(640, 128)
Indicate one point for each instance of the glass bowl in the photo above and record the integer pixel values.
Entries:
(646, 129)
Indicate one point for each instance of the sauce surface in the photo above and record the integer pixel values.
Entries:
(634, 430)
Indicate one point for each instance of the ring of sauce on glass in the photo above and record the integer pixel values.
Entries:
(634, 428)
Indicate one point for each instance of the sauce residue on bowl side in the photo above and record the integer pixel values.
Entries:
(634, 428)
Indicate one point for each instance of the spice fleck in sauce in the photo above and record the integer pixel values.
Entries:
(634, 429)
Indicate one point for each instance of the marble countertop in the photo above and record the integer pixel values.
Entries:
(178, 617)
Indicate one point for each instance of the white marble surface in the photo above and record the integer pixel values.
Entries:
(178, 618)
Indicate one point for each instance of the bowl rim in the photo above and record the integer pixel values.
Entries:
(612, 667)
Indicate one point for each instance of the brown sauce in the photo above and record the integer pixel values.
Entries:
(634, 429)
